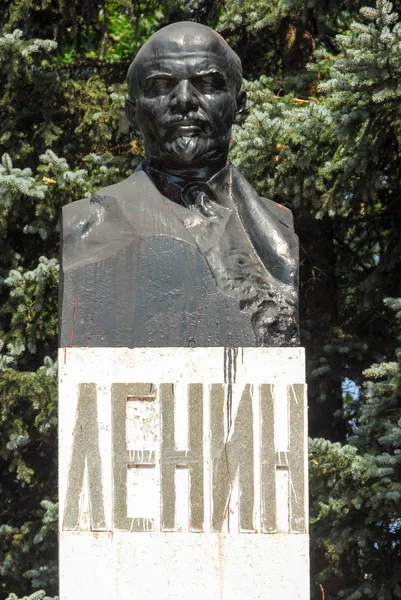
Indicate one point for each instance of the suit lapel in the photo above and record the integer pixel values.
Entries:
(274, 242)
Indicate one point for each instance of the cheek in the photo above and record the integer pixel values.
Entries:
(149, 113)
(222, 111)
(147, 123)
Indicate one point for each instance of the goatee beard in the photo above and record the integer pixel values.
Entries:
(186, 149)
(187, 154)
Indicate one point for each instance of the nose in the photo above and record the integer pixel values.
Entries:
(184, 97)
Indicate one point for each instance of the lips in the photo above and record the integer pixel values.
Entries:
(186, 126)
(187, 129)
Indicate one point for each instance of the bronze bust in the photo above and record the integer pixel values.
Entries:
(184, 252)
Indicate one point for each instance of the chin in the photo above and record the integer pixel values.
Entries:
(189, 151)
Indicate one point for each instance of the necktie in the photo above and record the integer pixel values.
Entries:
(198, 195)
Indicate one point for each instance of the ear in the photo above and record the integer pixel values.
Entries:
(241, 104)
(130, 111)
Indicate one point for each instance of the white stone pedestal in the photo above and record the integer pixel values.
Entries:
(183, 474)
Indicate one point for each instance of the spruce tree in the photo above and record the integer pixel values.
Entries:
(322, 137)
(356, 490)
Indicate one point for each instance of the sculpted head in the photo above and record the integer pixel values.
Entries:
(185, 94)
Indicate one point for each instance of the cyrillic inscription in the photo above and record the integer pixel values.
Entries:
(85, 455)
(225, 427)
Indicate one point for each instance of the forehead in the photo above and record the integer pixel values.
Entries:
(176, 40)
(185, 64)
(181, 55)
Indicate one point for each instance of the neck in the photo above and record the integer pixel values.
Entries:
(193, 172)
(171, 183)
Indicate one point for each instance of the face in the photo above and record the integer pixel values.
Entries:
(185, 105)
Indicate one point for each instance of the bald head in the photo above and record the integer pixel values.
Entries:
(185, 95)
(180, 41)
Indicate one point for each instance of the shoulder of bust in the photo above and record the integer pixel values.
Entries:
(102, 197)
(282, 213)
(105, 204)
(99, 224)
(279, 212)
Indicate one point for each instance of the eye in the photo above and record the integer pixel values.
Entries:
(210, 83)
(158, 86)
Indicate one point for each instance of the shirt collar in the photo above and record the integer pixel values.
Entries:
(171, 186)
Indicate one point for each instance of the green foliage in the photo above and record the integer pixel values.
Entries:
(356, 491)
(365, 88)
(322, 137)
(336, 140)
(124, 39)
(34, 316)
(289, 137)
(252, 14)
(28, 534)
(29, 96)
(39, 595)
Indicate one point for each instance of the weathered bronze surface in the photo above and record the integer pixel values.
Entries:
(184, 252)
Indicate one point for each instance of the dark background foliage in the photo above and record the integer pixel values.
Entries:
(322, 137)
